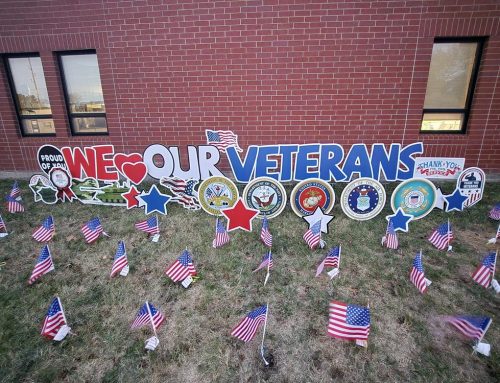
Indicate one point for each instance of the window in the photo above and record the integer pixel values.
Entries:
(29, 91)
(83, 92)
(450, 85)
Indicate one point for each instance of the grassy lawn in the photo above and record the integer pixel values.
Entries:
(406, 342)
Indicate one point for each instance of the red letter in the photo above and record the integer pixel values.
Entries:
(103, 163)
(77, 161)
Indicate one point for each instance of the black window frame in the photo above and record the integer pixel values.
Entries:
(17, 107)
(481, 42)
(70, 114)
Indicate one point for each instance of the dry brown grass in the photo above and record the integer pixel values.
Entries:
(406, 343)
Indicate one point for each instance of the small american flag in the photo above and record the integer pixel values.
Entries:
(473, 327)
(92, 230)
(248, 326)
(46, 231)
(497, 236)
(149, 226)
(332, 260)
(43, 265)
(14, 205)
(442, 236)
(120, 260)
(484, 273)
(54, 319)
(417, 275)
(267, 261)
(265, 235)
(16, 191)
(222, 139)
(184, 193)
(390, 240)
(495, 212)
(349, 322)
(313, 235)
(182, 268)
(2, 225)
(148, 314)
(221, 235)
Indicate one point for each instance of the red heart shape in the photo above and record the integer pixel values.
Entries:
(135, 172)
(119, 159)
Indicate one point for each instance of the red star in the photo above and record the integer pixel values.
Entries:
(239, 216)
(130, 197)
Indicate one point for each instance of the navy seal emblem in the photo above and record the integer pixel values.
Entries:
(266, 195)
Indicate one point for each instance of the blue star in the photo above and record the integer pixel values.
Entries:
(155, 201)
(400, 220)
(455, 201)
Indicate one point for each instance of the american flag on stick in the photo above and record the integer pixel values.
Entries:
(473, 327)
(248, 326)
(221, 234)
(267, 261)
(44, 264)
(442, 236)
(3, 228)
(332, 260)
(182, 268)
(120, 261)
(313, 235)
(265, 235)
(390, 239)
(417, 275)
(148, 314)
(15, 191)
(496, 237)
(222, 139)
(46, 231)
(149, 225)
(349, 322)
(54, 320)
(92, 230)
(485, 272)
(14, 201)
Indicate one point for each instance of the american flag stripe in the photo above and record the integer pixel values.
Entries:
(45, 232)
(222, 139)
(247, 328)
(118, 265)
(338, 327)
(177, 185)
(418, 279)
(92, 230)
(41, 269)
(51, 325)
(178, 272)
(441, 236)
(484, 273)
(149, 226)
(466, 327)
(14, 206)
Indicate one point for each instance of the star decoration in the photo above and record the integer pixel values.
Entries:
(239, 216)
(317, 216)
(400, 220)
(154, 201)
(131, 197)
(439, 199)
(455, 201)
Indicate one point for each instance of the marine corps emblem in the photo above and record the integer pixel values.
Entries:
(312, 193)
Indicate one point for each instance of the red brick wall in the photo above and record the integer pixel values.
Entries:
(272, 71)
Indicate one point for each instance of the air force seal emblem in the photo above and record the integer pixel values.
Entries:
(363, 199)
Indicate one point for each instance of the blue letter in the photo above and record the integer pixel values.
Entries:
(303, 162)
(388, 163)
(286, 161)
(242, 172)
(331, 156)
(407, 160)
(357, 161)
(263, 163)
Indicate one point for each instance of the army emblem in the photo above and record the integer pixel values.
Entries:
(416, 197)
(266, 195)
(471, 184)
(216, 194)
(363, 199)
(312, 193)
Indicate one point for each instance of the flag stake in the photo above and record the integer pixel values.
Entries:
(482, 336)
(151, 319)
(263, 336)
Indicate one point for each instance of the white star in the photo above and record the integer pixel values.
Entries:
(317, 216)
